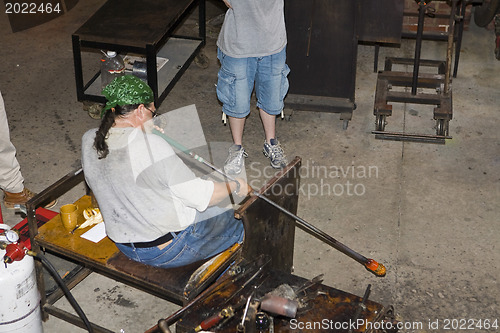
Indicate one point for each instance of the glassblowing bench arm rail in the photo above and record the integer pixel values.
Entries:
(51, 193)
(54, 191)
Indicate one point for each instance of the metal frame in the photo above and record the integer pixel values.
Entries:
(149, 50)
(459, 14)
(443, 112)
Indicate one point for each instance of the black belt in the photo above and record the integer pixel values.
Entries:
(156, 242)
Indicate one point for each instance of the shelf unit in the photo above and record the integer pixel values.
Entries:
(147, 29)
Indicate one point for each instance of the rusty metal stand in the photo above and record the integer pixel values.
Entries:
(439, 82)
(439, 37)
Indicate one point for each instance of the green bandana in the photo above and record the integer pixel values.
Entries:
(126, 90)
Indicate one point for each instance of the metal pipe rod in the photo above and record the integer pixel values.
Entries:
(458, 44)
(449, 49)
(418, 45)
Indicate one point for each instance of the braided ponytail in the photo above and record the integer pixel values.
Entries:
(100, 135)
(107, 122)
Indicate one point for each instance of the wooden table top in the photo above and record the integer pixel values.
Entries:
(54, 236)
(133, 23)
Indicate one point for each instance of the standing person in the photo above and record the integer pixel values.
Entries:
(11, 179)
(154, 208)
(252, 52)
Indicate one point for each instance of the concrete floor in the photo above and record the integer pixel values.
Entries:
(429, 212)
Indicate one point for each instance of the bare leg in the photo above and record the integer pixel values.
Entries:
(235, 161)
(237, 125)
(269, 123)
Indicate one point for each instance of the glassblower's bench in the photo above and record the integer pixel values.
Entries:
(262, 263)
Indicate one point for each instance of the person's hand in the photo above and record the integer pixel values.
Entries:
(227, 4)
(244, 188)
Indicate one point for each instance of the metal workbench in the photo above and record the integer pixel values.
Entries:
(144, 28)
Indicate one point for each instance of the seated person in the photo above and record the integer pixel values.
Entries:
(154, 207)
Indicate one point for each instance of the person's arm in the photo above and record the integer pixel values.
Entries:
(222, 190)
(227, 3)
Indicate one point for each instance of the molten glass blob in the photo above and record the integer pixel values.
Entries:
(375, 267)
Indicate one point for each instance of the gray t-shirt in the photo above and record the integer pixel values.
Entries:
(143, 188)
(253, 28)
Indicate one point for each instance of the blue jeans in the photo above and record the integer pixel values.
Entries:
(236, 79)
(201, 240)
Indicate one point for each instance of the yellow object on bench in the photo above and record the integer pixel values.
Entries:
(53, 236)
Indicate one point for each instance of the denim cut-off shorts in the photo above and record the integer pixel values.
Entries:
(237, 77)
(201, 240)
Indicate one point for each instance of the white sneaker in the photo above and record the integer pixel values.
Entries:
(235, 161)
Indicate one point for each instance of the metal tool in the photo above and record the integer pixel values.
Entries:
(227, 312)
(370, 264)
(310, 283)
(361, 306)
(73, 231)
(162, 325)
(241, 326)
(258, 272)
(279, 305)
(254, 267)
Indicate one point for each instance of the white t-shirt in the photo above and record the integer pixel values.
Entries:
(253, 28)
(143, 188)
